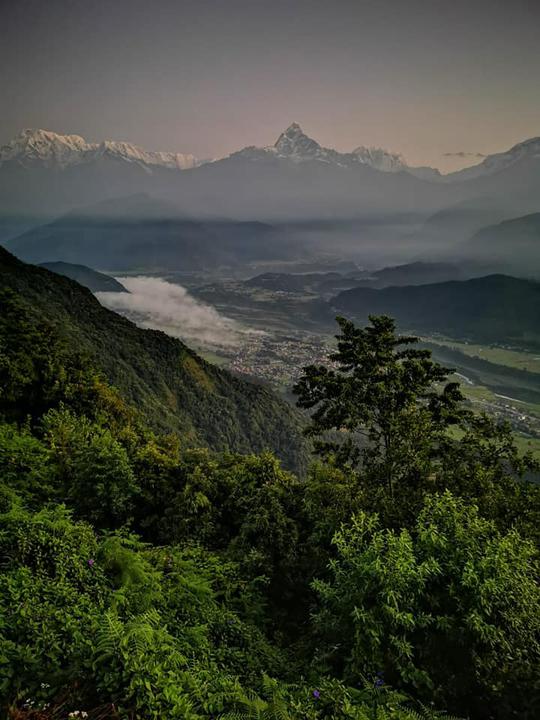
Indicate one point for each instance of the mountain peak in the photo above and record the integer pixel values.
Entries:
(295, 144)
(525, 150)
(34, 146)
(293, 129)
(380, 158)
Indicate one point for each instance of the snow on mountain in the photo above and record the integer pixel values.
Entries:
(380, 159)
(43, 147)
(48, 149)
(528, 149)
(132, 153)
(295, 145)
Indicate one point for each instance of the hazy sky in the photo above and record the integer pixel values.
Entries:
(422, 77)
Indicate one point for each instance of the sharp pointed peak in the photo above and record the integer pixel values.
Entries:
(294, 142)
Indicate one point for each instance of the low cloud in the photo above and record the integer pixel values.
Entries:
(161, 305)
(463, 154)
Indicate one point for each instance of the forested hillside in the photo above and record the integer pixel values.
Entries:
(144, 576)
(495, 308)
(171, 386)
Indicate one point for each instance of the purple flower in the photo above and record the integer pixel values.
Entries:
(316, 694)
(379, 682)
(91, 562)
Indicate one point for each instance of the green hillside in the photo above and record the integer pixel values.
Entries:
(141, 578)
(174, 388)
(495, 308)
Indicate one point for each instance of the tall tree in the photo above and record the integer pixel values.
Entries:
(384, 405)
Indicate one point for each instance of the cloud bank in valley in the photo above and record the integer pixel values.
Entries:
(161, 305)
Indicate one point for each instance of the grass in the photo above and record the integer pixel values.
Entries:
(528, 444)
(520, 359)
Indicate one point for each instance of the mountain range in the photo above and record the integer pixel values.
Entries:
(38, 147)
(35, 147)
(293, 144)
(367, 203)
(46, 174)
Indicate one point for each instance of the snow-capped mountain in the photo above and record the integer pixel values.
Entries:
(380, 159)
(48, 149)
(31, 147)
(295, 145)
(528, 149)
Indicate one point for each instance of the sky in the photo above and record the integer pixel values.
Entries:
(441, 81)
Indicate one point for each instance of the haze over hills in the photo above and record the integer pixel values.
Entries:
(503, 186)
(418, 273)
(46, 173)
(497, 162)
(269, 390)
(368, 205)
(513, 243)
(141, 232)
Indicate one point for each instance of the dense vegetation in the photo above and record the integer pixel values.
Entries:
(140, 578)
(178, 390)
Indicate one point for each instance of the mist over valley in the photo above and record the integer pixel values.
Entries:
(269, 360)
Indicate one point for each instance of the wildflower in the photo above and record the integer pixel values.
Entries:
(316, 694)
(91, 562)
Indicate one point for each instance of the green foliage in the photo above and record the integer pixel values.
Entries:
(385, 390)
(97, 478)
(53, 331)
(25, 464)
(51, 599)
(451, 609)
(143, 579)
(37, 369)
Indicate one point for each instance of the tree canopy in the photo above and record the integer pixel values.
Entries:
(142, 576)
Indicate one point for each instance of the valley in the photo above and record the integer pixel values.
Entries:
(288, 329)
(269, 360)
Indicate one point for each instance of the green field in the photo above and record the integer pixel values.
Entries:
(520, 359)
